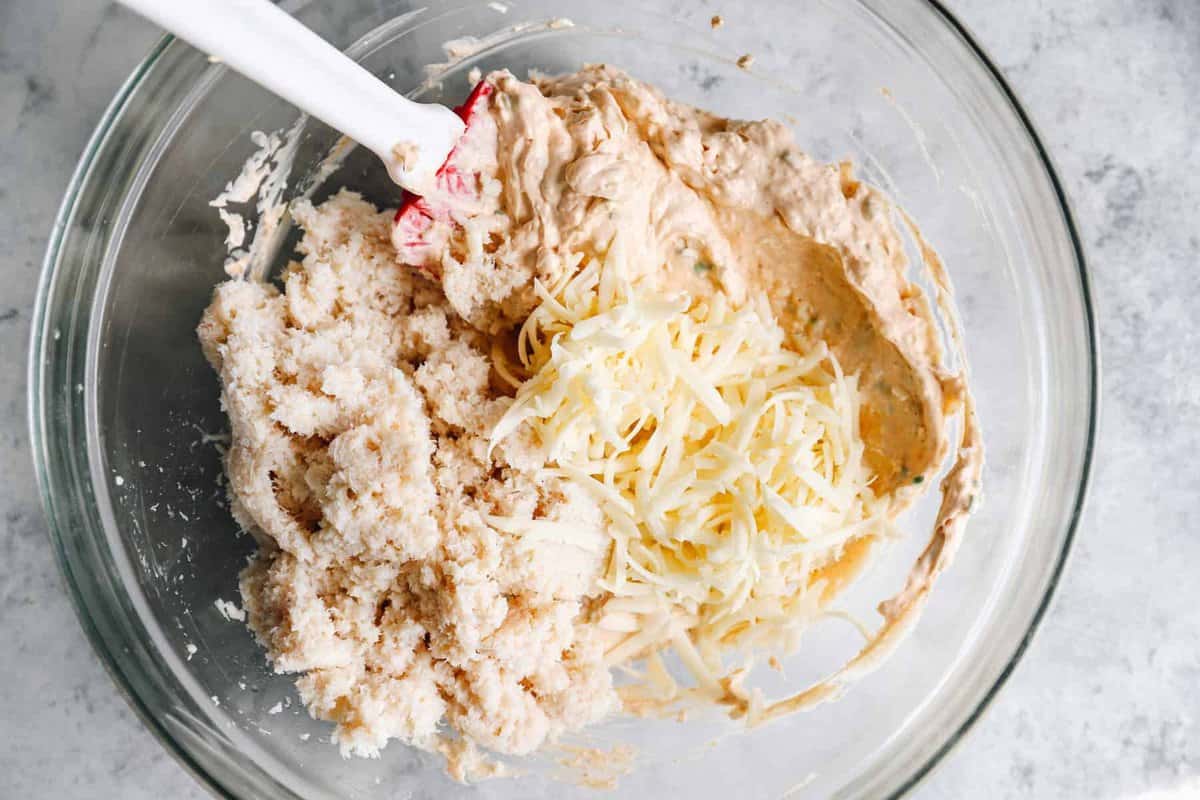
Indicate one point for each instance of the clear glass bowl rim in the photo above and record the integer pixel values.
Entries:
(45, 467)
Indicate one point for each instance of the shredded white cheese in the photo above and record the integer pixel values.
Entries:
(729, 465)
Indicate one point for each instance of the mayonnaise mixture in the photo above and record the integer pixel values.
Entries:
(364, 395)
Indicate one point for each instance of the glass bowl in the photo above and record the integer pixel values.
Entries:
(125, 417)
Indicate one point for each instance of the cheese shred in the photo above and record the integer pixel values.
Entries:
(726, 458)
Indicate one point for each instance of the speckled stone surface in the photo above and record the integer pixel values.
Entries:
(1107, 702)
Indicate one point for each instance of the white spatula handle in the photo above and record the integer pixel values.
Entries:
(273, 49)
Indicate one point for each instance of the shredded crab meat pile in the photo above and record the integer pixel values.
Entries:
(360, 409)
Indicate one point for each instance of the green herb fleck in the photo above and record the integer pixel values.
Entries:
(919, 479)
(702, 266)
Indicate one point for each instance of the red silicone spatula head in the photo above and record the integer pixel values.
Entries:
(454, 183)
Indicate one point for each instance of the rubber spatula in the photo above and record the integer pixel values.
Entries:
(271, 48)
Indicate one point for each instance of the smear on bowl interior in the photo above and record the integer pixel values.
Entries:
(655, 384)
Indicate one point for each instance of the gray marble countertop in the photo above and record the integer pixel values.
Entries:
(1106, 704)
